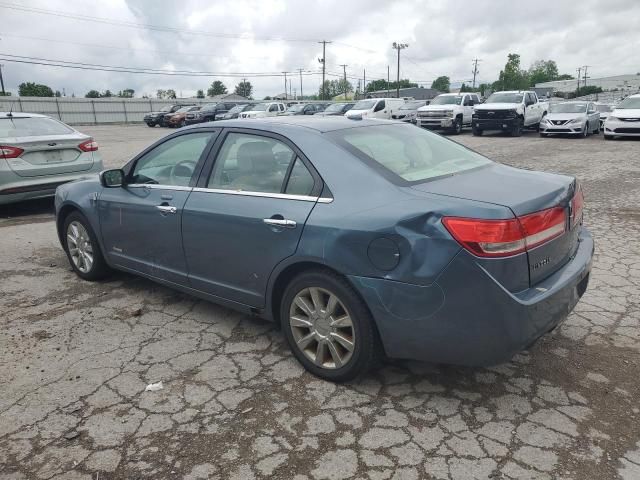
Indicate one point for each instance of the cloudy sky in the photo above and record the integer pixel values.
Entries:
(250, 37)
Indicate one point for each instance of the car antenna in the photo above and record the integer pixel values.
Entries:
(10, 114)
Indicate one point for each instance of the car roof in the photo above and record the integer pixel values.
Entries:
(453, 94)
(22, 115)
(320, 124)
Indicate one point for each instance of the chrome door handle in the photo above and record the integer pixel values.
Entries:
(280, 223)
(166, 209)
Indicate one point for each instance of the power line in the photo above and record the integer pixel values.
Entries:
(137, 70)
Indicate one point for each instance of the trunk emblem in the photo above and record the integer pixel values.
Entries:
(541, 263)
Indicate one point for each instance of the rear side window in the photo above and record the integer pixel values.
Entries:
(32, 127)
(251, 163)
(405, 153)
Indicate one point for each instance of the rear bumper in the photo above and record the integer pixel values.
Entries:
(39, 187)
(466, 317)
(494, 124)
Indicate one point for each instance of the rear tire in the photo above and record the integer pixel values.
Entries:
(82, 248)
(151, 124)
(311, 332)
(477, 132)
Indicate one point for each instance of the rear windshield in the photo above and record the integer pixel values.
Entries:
(408, 153)
(33, 126)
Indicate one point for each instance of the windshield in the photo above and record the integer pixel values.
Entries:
(183, 109)
(505, 98)
(629, 102)
(237, 109)
(411, 105)
(166, 109)
(364, 105)
(446, 100)
(603, 108)
(208, 106)
(335, 107)
(408, 153)
(568, 108)
(33, 126)
(260, 107)
(296, 108)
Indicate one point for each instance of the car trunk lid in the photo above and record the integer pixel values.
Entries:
(524, 193)
(49, 155)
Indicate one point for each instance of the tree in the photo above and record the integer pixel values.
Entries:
(587, 90)
(126, 93)
(92, 94)
(30, 89)
(381, 84)
(565, 76)
(216, 88)
(200, 94)
(5, 94)
(58, 94)
(512, 77)
(267, 98)
(542, 71)
(171, 94)
(244, 89)
(107, 93)
(442, 84)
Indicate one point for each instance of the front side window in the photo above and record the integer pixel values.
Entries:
(251, 163)
(172, 162)
(380, 106)
(407, 153)
(273, 108)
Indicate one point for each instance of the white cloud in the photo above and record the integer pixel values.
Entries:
(443, 36)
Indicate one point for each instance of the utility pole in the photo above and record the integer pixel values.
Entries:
(344, 70)
(285, 85)
(300, 72)
(584, 84)
(388, 78)
(323, 62)
(398, 47)
(475, 70)
(579, 70)
(290, 89)
(364, 83)
(2, 80)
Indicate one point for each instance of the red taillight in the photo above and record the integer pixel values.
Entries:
(577, 206)
(10, 152)
(89, 146)
(502, 238)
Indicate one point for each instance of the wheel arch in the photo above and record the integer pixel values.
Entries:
(66, 210)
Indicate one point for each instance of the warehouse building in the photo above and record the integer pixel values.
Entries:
(621, 83)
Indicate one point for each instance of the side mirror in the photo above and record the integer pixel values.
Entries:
(112, 178)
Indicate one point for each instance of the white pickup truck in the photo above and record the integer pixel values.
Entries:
(449, 111)
(510, 112)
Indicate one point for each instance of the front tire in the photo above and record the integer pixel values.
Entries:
(328, 326)
(82, 248)
(457, 126)
(585, 131)
(151, 124)
(608, 137)
(477, 132)
(516, 131)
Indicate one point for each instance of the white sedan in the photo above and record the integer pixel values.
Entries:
(624, 121)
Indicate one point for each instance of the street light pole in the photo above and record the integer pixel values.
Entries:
(285, 85)
(344, 69)
(323, 62)
(300, 72)
(398, 47)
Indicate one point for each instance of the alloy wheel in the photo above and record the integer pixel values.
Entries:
(80, 248)
(322, 328)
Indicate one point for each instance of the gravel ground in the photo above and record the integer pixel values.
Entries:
(75, 358)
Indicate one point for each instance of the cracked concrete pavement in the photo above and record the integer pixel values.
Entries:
(75, 358)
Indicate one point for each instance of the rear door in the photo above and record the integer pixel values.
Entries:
(247, 215)
(140, 222)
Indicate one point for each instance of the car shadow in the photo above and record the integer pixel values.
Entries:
(29, 211)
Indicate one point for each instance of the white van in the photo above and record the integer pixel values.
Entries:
(375, 108)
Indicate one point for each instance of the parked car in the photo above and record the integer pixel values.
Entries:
(375, 108)
(335, 109)
(408, 111)
(261, 110)
(571, 118)
(303, 109)
(510, 112)
(235, 111)
(38, 153)
(448, 111)
(209, 112)
(179, 118)
(605, 109)
(455, 259)
(157, 118)
(624, 120)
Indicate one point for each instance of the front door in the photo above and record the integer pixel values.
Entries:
(247, 216)
(140, 222)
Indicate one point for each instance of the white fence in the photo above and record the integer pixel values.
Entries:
(91, 110)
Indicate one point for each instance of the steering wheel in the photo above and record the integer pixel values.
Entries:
(181, 170)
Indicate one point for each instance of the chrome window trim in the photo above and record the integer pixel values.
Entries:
(153, 186)
(284, 196)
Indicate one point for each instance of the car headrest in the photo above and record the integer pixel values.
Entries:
(256, 157)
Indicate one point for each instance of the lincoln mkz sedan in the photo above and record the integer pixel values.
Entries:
(361, 238)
